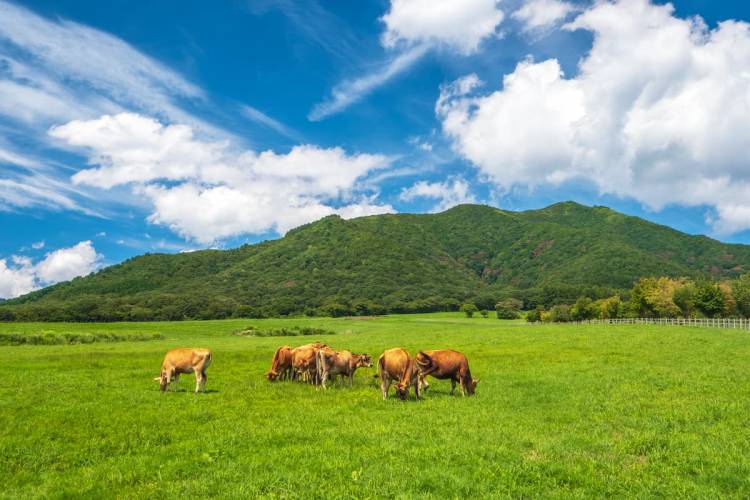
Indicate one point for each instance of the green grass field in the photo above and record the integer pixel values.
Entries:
(560, 411)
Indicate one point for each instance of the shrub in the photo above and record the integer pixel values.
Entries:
(469, 309)
(559, 314)
(484, 313)
(535, 315)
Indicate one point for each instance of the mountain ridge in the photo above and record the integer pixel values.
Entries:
(396, 262)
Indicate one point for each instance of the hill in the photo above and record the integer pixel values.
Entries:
(397, 263)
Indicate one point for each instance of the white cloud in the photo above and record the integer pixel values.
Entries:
(449, 193)
(413, 27)
(350, 91)
(38, 245)
(22, 276)
(260, 117)
(542, 14)
(659, 111)
(73, 66)
(212, 191)
(15, 280)
(460, 26)
(67, 263)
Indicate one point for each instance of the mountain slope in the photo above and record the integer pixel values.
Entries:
(398, 262)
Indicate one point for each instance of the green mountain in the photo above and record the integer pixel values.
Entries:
(396, 263)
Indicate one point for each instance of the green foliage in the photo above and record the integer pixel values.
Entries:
(294, 331)
(401, 263)
(508, 309)
(741, 292)
(709, 300)
(535, 315)
(68, 338)
(684, 298)
(583, 310)
(469, 309)
(654, 298)
(485, 313)
(610, 308)
(559, 314)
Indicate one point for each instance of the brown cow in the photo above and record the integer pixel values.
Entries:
(397, 365)
(185, 360)
(304, 361)
(281, 365)
(446, 364)
(343, 363)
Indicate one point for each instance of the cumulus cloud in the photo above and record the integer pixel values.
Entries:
(460, 26)
(659, 111)
(207, 191)
(542, 14)
(449, 193)
(21, 275)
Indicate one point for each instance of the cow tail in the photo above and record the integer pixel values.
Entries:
(381, 367)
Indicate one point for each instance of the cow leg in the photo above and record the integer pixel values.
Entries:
(323, 379)
(203, 382)
(384, 386)
(453, 386)
(175, 381)
(198, 379)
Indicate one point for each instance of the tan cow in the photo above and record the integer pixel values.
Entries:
(343, 363)
(445, 364)
(185, 360)
(397, 365)
(304, 361)
(281, 365)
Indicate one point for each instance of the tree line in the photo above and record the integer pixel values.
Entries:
(651, 297)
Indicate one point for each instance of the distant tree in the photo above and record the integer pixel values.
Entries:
(535, 315)
(730, 304)
(469, 309)
(611, 307)
(583, 310)
(508, 309)
(559, 314)
(741, 292)
(652, 297)
(484, 313)
(684, 298)
(709, 300)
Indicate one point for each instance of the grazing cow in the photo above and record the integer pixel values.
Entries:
(281, 366)
(343, 363)
(445, 364)
(397, 365)
(185, 360)
(304, 361)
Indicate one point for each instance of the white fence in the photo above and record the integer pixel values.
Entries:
(740, 323)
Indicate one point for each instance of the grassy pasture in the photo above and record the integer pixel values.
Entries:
(560, 411)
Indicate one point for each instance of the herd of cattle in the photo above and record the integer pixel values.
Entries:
(317, 363)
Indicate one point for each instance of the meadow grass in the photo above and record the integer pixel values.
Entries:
(560, 411)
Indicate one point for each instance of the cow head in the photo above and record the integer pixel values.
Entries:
(472, 386)
(272, 376)
(364, 360)
(402, 391)
(163, 380)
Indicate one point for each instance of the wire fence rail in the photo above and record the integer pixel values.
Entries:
(738, 323)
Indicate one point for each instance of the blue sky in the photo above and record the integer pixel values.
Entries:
(133, 127)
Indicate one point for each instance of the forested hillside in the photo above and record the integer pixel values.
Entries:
(394, 263)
